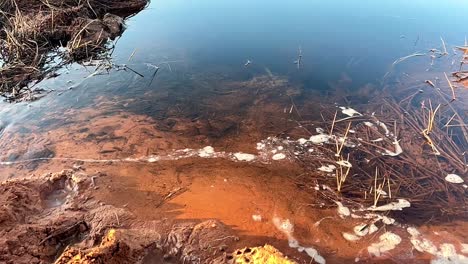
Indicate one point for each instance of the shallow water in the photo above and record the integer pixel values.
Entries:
(204, 94)
(346, 44)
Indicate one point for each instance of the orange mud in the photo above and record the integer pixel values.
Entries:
(136, 211)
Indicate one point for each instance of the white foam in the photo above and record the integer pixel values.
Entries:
(398, 149)
(421, 244)
(398, 206)
(387, 242)
(448, 255)
(344, 163)
(327, 168)
(278, 156)
(350, 237)
(454, 178)
(206, 152)
(244, 156)
(464, 248)
(384, 127)
(343, 211)
(445, 255)
(365, 229)
(285, 226)
(319, 139)
(153, 159)
(349, 111)
(260, 146)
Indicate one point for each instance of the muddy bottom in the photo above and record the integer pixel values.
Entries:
(203, 189)
(197, 211)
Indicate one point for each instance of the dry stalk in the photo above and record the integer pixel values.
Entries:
(451, 87)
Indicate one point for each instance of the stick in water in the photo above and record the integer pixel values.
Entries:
(451, 87)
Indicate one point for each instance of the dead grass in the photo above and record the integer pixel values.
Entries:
(31, 33)
(433, 142)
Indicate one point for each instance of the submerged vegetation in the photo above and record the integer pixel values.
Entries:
(262, 150)
(37, 37)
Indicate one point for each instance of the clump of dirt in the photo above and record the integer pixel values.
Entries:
(33, 32)
(31, 230)
(259, 255)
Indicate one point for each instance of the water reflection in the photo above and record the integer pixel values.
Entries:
(189, 88)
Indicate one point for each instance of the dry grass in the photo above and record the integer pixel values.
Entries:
(32, 31)
(433, 143)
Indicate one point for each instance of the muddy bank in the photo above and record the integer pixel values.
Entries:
(37, 38)
(55, 218)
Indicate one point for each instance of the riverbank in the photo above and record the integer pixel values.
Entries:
(37, 38)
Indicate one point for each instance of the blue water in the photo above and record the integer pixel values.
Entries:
(209, 42)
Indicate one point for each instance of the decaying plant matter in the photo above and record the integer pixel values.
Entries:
(37, 37)
(403, 146)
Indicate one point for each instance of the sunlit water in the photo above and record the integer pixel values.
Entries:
(211, 41)
(228, 77)
(196, 60)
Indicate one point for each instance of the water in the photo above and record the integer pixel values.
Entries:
(222, 138)
(203, 90)
(213, 40)
(204, 93)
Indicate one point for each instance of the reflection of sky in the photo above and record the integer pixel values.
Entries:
(330, 33)
(359, 38)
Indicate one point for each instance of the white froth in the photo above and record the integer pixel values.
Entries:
(454, 178)
(387, 242)
(344, 163)
(260, 146)
(343, 211)
(327, 168)
(278, 156)
(349, 111)
(153, 159)
(350, 237)
(206, 152)
(419, 243)
(398, 149)
(320, 138)
(447, 253)
(402, 203)
(244, 156)
(285, 226)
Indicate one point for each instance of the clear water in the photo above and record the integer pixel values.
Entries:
(206, 44)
